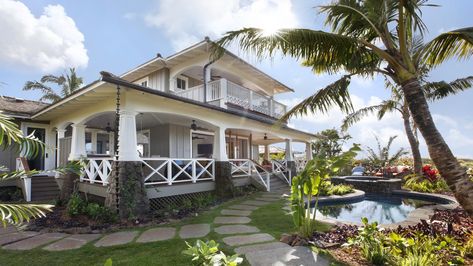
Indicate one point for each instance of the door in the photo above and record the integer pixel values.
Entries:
(37, 162)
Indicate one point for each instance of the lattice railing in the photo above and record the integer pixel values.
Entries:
(280, 168)
(246, 167)
(170, 171)
(97, 170)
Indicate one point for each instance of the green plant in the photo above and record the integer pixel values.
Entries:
(208, 254)
(76, 205)
(306, 186)
(468, 247)
(421, 184)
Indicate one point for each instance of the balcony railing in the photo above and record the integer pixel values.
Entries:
(223, 92)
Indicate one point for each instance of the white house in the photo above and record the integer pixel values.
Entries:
(180, 117)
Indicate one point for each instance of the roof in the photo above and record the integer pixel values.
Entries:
(199, 49)
(20, 108)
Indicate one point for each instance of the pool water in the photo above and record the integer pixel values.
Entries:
(384, 210)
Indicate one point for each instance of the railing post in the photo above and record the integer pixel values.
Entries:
(223, 92)
(268, 180)
(251, 100)
(194, 176)
(169, 174)
(213, 170)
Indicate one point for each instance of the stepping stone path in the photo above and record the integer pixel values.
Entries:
(72, 242)
(35, 241)
(247, 239)
(118, 238)
(194, 231)
(235, 229)
(235, 212)
(231, 220)
(157, 234)
(259, 248)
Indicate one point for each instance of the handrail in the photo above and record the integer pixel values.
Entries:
(281, 168)
(177, 170)
(97, 167)
(246, 167)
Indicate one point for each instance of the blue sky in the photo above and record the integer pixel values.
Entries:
(47, 36)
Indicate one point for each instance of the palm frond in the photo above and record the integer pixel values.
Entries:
(335, 94)
(457, 43)
(439, 90)
(17, 214)
(356, 116)
(10, 134)
(58, 80)
(48, 93)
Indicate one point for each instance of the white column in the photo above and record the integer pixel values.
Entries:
(61, 133)
(289, 156)
(127, 145)
(93, 139)
(308, 151)
(220, 147)
(77, 142)
(266, 152)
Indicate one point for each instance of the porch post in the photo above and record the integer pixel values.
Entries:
(308, 151)
(223, 169)
(266, 152)
(127, 137)
(77, 142)
(291, 164)
(93, 139)
(61, 133)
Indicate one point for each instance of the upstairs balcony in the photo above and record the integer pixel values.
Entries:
(230, 95)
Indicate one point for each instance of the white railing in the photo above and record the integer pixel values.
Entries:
(280, 168)
(230, 92)
(22, 166)
(300, 163)
(246, 167)
(170, 171)
(97, 170)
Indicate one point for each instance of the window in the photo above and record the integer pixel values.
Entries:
(144, 83)
(181, 83)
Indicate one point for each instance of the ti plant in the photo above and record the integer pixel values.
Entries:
(208, 254)
(306, 187)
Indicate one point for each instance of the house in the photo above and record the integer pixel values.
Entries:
(188, 123)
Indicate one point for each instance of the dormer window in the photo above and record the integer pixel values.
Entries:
(182, 82)
(144, 83)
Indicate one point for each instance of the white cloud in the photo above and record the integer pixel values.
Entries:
(48, 43)
(438, 118)
(186, 22)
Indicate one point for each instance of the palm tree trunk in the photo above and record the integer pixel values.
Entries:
(413, 143)
(454, 174)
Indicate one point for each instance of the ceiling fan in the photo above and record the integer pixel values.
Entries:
(195, 127)
(266, 137)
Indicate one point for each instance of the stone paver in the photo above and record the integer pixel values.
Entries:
(7, 230)
(247, 239)
(35, 241)
(72, 242)
(157, 234)
(260, 247)
(255, 202)
(243, 207)
(286, 256)
(235, 229)
(118, 238)
(235, 212)
(231, 220)
(274, 196)
(267, 199)
(194, 230)
(13, 237)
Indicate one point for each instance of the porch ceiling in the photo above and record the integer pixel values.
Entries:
(95, 94)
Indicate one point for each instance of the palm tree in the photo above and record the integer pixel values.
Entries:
(382, 157)
(30, 146)
(68, 82)
(371, 37)
(398, 103)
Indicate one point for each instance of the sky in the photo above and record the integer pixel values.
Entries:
(47, 37)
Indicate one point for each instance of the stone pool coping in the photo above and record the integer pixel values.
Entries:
(422, 213)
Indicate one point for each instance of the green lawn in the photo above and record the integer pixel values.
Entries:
(270, 219)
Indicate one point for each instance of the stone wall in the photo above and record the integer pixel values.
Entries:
(224, 187)
(370, 185)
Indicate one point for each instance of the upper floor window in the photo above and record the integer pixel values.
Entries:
(144, 83)
(182, 82)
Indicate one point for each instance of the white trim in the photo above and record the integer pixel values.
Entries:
(185, 79)
(141, 80)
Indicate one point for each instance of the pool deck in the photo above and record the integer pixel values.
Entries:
(422, 213)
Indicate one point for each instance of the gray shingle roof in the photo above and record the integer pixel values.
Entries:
(20, 108)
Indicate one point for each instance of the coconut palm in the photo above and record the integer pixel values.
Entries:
(30, 146)
(68, 83)
(397, 103)
(371, 37)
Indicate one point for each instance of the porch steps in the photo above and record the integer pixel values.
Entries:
(44, 188)
(277, 183)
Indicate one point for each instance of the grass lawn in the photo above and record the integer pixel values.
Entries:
(271, 219)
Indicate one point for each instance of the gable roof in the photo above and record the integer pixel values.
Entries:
(200, 49)
(20, 108)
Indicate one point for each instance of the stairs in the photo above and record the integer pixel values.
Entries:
(43, 188)
(278, 184)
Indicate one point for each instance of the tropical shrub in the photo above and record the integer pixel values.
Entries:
(306, 187)
(208, 254)
(328, 189)
(432, 184)
(77, 206)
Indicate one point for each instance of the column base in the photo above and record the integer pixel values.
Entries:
(291, 165)
(224, 187)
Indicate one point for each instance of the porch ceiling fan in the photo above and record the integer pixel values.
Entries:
(195, 127)
(108, 128)
(266, 137)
